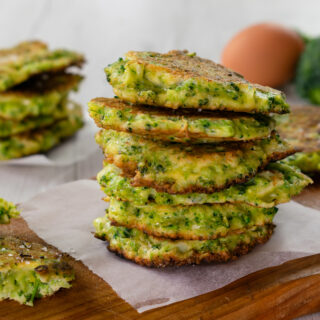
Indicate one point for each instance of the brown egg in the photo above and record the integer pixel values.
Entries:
(265, 53)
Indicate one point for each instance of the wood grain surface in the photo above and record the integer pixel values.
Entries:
(282, 292)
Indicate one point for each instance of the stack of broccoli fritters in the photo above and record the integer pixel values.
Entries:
(35, 113)
(190, 160)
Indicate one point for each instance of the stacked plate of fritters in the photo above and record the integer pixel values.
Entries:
(35, 112)
(192, 169)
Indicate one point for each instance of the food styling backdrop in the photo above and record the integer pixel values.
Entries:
(105, 29)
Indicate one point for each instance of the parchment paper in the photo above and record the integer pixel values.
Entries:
(63, 217)
(70, 151)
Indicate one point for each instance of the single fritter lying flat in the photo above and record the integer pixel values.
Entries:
(7, 211)
(178, 79)
(179, 125)
(30, 270)
(196, 222)
(302, 129)
(19, 63)
(175, 168)
(12, 127)
(39, 96)
(159, 252)
(276, 184)
(44, 139)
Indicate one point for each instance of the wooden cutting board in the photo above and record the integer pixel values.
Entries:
(283, 292)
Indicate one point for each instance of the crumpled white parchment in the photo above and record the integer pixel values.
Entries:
(63, 216)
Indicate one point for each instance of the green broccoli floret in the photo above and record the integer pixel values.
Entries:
(306, 38)
(7, 211)
(308, 72)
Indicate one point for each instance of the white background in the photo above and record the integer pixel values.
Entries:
(105, 29)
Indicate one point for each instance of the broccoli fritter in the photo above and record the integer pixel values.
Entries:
(195, 222)
(176, 169)
(276, 184)
(40, 96)
(42, 140)
(151, 251)
(29, 58)
(182, 126)
(178, 79)
(301, 129)
(31, 270)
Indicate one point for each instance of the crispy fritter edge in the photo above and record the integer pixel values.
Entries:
(129, 170)
(169, 236)
(197, 258)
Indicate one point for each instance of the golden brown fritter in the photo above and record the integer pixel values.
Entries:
(178, 79)
(39, 96)
(151, 251)
(183, 126)
(301, 128)
(31, 270)
(177, 169)
(44, 139)
(29, 58)
(268, 188)
(195, 222)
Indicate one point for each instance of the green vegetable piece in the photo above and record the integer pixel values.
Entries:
(308, 72)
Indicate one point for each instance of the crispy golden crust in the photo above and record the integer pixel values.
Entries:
(302, 128)
(129, 169)
(197, 258)
(182, 125)
(187, 66)
(159, 234)
(28, 59)
(179, 169)
(31, 270)
(45, 83)
(28, 50)
(18, 251)
(178, 79)
(186, 113)
(22, 50)
(277, 184)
